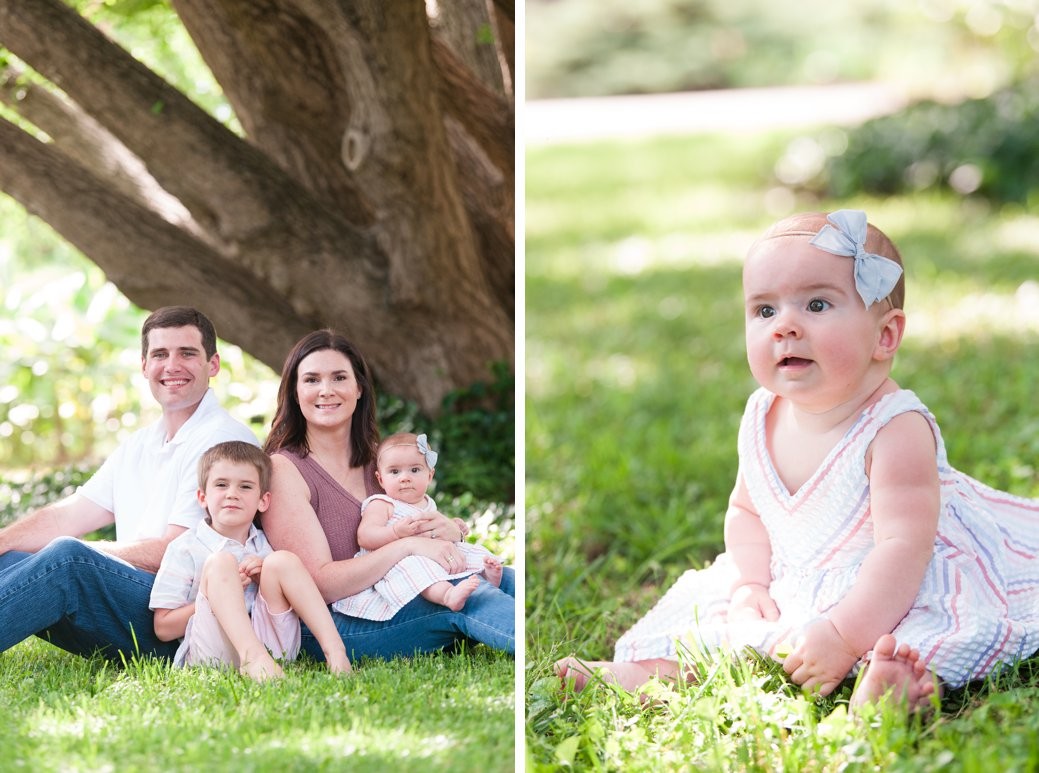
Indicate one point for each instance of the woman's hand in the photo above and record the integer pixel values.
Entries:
(443, 552)
(821, 659)
(752, 602)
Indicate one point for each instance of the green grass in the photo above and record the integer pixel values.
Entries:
(636, 381)
(430, 713)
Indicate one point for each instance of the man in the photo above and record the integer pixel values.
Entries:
(93, 597)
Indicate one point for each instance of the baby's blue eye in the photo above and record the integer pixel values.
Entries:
(818, 304)
(766, 312)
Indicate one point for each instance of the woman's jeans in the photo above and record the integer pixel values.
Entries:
(85, 601)
(489, 616)
(79, 599)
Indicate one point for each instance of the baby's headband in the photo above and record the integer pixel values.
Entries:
(845, 234)
(424, 449)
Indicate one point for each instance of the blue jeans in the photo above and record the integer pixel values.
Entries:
(78, 599)
(489, 617)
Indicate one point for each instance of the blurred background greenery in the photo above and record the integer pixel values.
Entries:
(949, 48)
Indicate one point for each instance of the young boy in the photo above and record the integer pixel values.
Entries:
(222, 588)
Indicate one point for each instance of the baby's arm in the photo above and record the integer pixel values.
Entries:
(905, 503)
(374, 530)
(748, 545)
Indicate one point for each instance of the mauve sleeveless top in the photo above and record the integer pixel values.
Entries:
(338, 511)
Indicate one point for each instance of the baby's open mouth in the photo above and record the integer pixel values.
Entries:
(794, 362)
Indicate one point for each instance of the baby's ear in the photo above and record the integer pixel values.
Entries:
(892, 328)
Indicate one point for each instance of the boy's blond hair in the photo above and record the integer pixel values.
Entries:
(236, 452)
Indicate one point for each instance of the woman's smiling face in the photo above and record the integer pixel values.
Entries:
(327, 388)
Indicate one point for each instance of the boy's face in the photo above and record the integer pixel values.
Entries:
(233, 497)
(404, 474)
(176, 366)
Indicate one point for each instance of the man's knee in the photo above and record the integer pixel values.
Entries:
(67, 547)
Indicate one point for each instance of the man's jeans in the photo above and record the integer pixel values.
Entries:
(78, 599)
(489, 616)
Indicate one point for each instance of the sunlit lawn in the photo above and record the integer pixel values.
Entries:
(636, 381)
(444, 712)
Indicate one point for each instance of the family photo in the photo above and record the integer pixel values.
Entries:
(257, 425)
(708, 332)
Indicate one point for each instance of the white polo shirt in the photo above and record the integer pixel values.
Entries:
(149, 484)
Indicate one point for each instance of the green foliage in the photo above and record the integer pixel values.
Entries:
(429, 713)
(636, 380)
(597, 47)
(19, 497)
(988, 147)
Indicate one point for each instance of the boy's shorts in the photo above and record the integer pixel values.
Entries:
(205, 641)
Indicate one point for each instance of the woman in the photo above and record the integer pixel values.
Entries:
(322, 445)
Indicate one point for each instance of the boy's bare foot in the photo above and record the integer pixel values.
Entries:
(896, 670)
(492, 570)
(338, 662)
(455, 598)
(630, 676)
(260, 667)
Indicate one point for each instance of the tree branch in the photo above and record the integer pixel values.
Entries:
(88, 143)
(229, 186)
(155, 261)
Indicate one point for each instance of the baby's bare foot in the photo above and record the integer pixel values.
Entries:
(456, 597)
(577, 673)
(260, 668)
(895, 670)
(492, 570)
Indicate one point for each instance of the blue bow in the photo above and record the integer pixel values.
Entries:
(426, 451)
(845, 234)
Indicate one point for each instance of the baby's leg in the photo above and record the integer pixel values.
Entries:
(630, 676)
(895, 670)
(452, 596)
(492, 570)
(286, 584)
(222, 585)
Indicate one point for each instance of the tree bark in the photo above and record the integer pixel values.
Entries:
(372, 191)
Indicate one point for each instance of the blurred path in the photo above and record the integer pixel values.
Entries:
(733, 110)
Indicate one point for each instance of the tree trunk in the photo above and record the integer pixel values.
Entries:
(372, 191)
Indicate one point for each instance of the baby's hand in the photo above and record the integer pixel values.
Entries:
(461, 527)
(406, 528)
(752, 602)
(820, 659)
